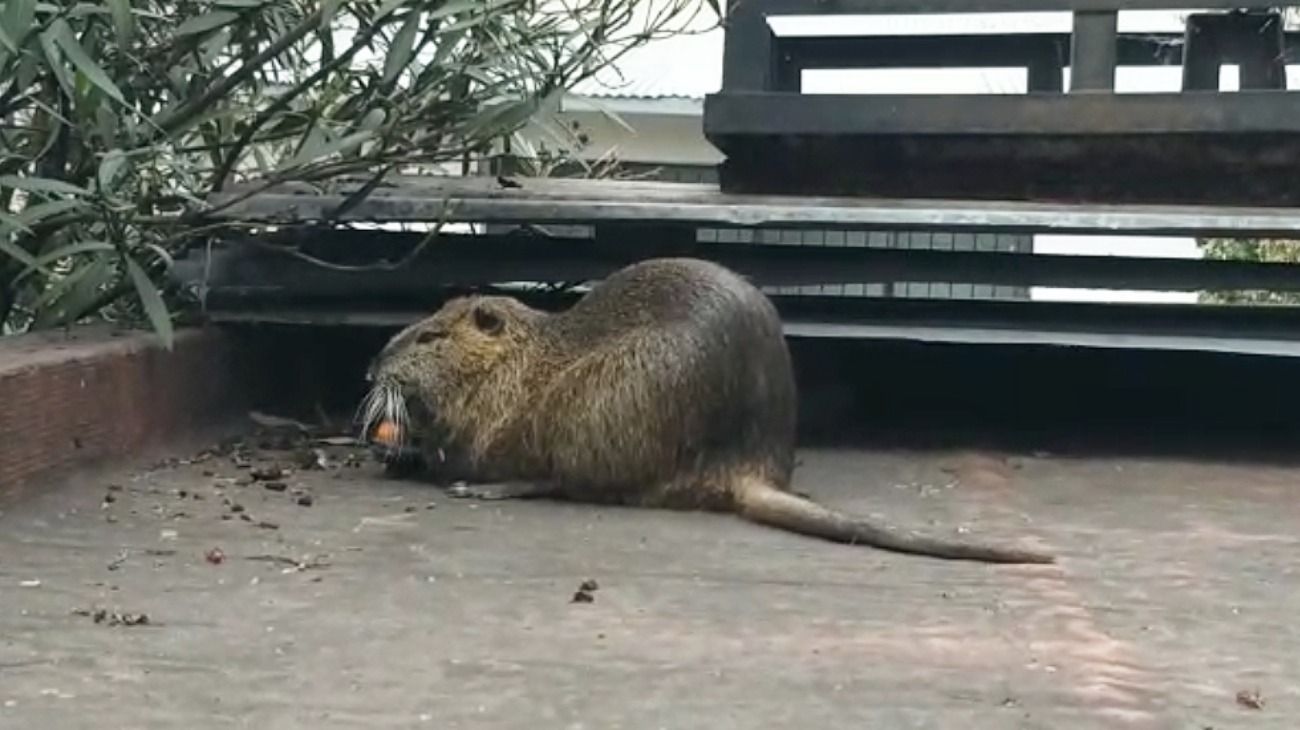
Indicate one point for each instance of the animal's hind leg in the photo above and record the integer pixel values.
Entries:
(494, 491)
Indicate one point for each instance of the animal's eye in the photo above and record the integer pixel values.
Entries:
(428, 336)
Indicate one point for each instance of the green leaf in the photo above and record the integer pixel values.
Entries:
(18, 253)
(206, 23)
(501, 119)
(373, 119)
(315, 139)
(214, 46)
(327, 10)
(151, 299)
(10, 223)
(68, 297)
(10, 45)
(73, 51)
(123, 21)
(109, 168)
(402, 48)
(456, 8)
(107, 124)
(62, 252)
(316, 151)
(34, 215)
(54, 60)
(387, 9)
(17, 18)
(447, 43)
(41, 185)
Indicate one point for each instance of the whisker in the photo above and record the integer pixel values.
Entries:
(384, 403)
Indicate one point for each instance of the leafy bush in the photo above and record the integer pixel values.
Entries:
(118, 117)
(1258, 250)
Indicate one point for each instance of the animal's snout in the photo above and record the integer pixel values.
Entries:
(375, 368)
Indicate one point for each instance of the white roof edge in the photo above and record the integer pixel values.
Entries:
(662, 105)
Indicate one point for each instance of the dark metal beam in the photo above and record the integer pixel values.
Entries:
(1093, 51)
(1109, 326)
(478, 260)
(1087, 115)
(748, 60)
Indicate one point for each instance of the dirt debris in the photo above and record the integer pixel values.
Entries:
(106, 617)
(295, 565)
(586, 592)
(267, 473)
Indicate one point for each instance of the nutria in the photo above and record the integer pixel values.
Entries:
(668, 385)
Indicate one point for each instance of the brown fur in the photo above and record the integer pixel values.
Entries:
(668, 385)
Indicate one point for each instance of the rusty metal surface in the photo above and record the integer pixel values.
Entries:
(1175, 592)
(431, 199)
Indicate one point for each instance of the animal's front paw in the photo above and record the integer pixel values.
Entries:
(399, 464)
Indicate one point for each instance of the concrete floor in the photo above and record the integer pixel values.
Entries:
(1174, 594)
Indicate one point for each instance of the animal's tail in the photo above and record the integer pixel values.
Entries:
(763, 503)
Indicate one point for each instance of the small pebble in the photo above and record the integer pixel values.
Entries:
(267, 473)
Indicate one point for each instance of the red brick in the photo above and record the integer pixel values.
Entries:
(71, 399)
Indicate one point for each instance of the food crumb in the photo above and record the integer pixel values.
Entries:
(1250, 699)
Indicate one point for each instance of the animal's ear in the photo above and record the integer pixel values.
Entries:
(488, 321)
